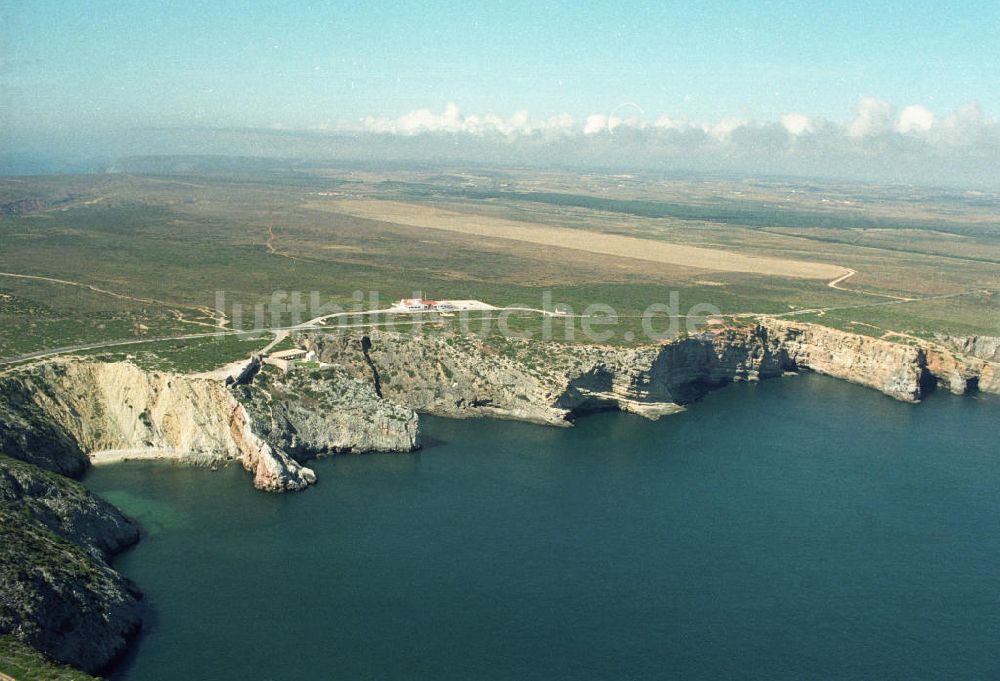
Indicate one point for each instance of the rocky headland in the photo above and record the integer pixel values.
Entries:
(461, 376)
(59, 414)
(59, 596)
(57, 593)
(62, 414)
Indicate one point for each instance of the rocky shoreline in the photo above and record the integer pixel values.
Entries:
(58, 593)
(366, 398)
(550, 383)
(55, 414)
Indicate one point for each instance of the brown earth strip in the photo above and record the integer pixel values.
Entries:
(429, 217)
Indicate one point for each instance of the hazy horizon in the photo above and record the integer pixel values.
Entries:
(865, 91)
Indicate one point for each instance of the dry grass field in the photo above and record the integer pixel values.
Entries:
(175, 236)
(560, 238)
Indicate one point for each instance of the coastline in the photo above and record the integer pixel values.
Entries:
(110, 456)
(69, 413)
(556, 520)
(366, 400)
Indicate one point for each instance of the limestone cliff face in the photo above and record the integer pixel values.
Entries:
(55, 413)
(961, 373)
(894, 369)
(905, 372)
(310, 413)
(98, 406)
(457, 376)
(447, 375)
(657, 380)
(91, 407)
(980, 347)
(273, 470)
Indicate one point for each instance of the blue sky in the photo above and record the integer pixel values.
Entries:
(78, 70)
(74, 63)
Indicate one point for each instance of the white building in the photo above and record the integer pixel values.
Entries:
(415, 304)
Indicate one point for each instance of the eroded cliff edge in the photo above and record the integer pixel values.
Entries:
(55, 414)
(55, 577)
(461, 376)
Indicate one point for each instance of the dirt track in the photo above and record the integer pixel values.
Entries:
(150, 301)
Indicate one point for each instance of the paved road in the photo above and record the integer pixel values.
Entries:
(55, 352)
(280, 333)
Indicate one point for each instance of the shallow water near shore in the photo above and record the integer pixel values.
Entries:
(797, 528)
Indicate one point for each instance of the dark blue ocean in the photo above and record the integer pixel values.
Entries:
(801, 528)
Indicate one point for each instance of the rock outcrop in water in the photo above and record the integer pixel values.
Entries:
(54, 414)
(57, 593)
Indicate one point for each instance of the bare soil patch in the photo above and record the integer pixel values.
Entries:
(429, 217)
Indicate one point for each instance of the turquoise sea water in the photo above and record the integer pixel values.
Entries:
(801, 528)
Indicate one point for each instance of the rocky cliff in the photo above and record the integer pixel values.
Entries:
(57, 593)
(314, 412)
(894, 369)
(962, 374)
(980, 347)
(54, 414)
(458, 376)
(904, 371)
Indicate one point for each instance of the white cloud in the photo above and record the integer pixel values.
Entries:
(874, 116)
(915, 118)
(796, 123)
(562, 123)
(451, 120)
(668, 123)
(724, 128)
(595, 123)
(970, 115)
(966, 123)
(875, 140)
